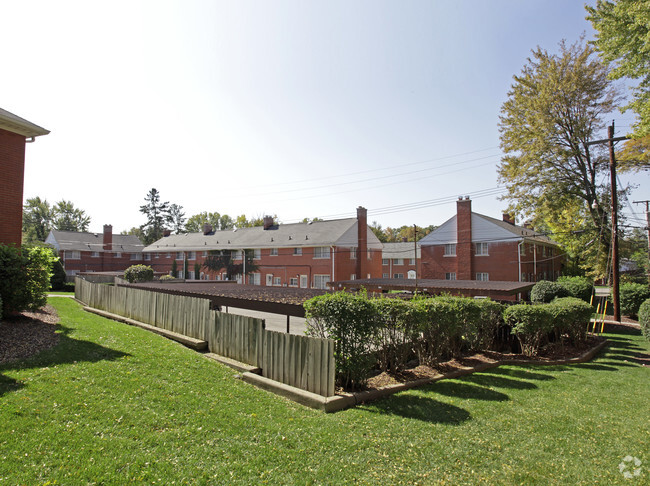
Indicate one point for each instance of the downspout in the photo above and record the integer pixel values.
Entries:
(243, 255)
(519, 264)
(535, 260)
(333, 254)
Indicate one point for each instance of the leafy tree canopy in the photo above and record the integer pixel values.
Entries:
(623, 40)
(157, 214)
(217, 261)
(65, 217)
(554, 107)
(39, 218)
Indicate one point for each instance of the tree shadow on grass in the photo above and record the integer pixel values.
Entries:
(68, 350)
(519, 373)
(419, 408)
(496, 381)
(594, 366)
(467, 390)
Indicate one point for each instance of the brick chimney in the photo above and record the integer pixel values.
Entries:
(362, 242)
(268, 222)
(508, 219)
(207, 228)
(464, 238)
(166, 232)
(108, 237)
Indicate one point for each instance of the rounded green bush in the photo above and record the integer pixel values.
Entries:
(632, 295)
(644, 318)
(167, 277)
(545, 291)
(138, 273)
(578, 287)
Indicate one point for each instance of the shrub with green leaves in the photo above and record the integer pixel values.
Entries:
(545, 291)
(486, 327)
(571, 316)
(578, 287)
(531, 324)
(138, 273)
(58, 280)
(644, 319)
(24, 277)
(396, 332)
(351, 321)
(166, 277)
(632, 295)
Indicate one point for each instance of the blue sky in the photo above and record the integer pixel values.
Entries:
(295, 108)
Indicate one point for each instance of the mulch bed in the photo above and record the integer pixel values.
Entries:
(27, 334)
(550, 353)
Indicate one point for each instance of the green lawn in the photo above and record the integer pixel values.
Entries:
(114, 404)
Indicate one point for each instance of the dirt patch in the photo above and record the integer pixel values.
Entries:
(552, 352)
(27, 334)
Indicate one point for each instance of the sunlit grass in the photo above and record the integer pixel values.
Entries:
(113, 404)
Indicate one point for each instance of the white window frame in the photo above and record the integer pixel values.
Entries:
(398, 275)
(449, 250)
(118, 254)
(320, 281)
(450, 276)
(179, 255)
(277, 281)
(135, 256)
(273, 252)
(191, 255)
(72, 255)
(482, 249)
(304, 282)
(235, 254)
(297, 251)
(353, 253)
(398, 261)
(483, 276)
(293, 282)
(254, 279)
(411, 261)
(94, 254)
(147, 257)
(257, 254)
(321, 253)
(385, 261)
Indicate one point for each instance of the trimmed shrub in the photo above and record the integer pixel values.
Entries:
(57, 281)
(571, 316)
(531, 324)
(351, 321)
(395, 334)
(632, 296)
(644, 319)
(578, 287)
(489, 322)
(166, 277)
(138, 273)
(24, 277)
(544, 292)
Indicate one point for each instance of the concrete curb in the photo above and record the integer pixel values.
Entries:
(196, 344)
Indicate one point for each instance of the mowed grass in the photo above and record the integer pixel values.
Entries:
(113, 404)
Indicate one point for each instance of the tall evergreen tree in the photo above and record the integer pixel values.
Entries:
(157, 214)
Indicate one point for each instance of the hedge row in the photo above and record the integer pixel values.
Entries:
(579, 287)
(644, 319)
(387, 333)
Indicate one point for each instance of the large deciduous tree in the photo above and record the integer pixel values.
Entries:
(554, 107)
(65, 217)
(623, 40)
(224, 260)
(217, 221)
(157, 214)
(37, 219)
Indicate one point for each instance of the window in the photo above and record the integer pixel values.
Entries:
(273, 252)
(169, 255)
(353, 253)
(543, 251)
(191, 255)
(257, 254)
(135, 256)
(385, 275)
(179, 255)
(205, 254)
(118, 255)
(297, 251)
(254, 279)
(190, 275)
(235, 255)
(523, 251)
(398, 261)
(293, 282)
(482, 249)
(353, 276)
(320, 281)
(450, 276)
(179, 274)
(483, 276)
(450, 249)
(94, 254)
(269, 279)
(411, 261)
(384, 261)
(398, 275)
(72, 255)
(321, 252)
(304, 283)
(276, 281)
(147, 257)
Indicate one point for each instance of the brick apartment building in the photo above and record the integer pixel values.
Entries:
(95, 252)
(15, 132)
(400, 260)
(305, 255)
(471, 246)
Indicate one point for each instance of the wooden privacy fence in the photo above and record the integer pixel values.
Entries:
(300, 361)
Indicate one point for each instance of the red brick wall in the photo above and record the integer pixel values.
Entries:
(105, 262)
(12, 170)
(464, 270)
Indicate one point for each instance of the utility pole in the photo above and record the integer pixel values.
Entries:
(647, 227)
(415, 246)
(612, 172)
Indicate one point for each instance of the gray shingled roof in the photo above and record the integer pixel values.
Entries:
(399, 250)
(340, 232)
(526, 233)
(71, 240)
(15, 124)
